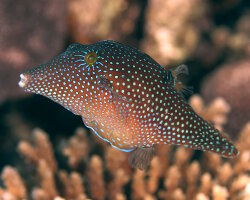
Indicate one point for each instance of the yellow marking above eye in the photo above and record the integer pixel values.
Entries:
(90, 58)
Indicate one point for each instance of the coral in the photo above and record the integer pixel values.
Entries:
(154, 175)
(219, 193)
(73, 185)
(41, 155)
(171, 33)
(47, 181)
(236, 39)
(15, 187)
(77, 148)
(115, 160)
(231, 81)
(95, 177)
(115, 187)
(138, 184)
(102, 19)
(41, 151)
(205, 186)
(174, 173)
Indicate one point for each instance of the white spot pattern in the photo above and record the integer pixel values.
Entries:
(127, 98)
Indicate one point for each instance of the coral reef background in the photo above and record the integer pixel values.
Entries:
(211, 37)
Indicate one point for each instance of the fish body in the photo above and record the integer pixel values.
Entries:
(126, 98)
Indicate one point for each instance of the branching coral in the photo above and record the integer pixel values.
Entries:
(15, 187)
(95, 176)
(174, 173)
(171, 33)
(78, 148)
(41, 151)
(72, 185)
(101, 19)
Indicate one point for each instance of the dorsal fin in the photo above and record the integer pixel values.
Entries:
(177, 74)
(181, 69)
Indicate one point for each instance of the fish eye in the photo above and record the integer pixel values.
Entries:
(90, 58)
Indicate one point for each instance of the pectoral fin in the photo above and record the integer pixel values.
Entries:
(119, 102)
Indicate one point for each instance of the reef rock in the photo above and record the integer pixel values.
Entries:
(31, 32)
(231, 82)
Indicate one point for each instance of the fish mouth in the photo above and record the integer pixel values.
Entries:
(24, 80)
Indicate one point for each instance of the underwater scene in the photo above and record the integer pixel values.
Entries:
(123, 99)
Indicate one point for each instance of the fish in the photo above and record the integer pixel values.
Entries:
(127, 99)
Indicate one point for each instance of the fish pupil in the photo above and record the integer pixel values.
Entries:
(90, 58)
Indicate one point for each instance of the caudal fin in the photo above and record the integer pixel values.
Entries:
(211, 139)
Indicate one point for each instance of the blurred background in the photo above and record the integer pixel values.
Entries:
(210, 36)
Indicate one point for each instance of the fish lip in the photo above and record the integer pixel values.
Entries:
(24, 80)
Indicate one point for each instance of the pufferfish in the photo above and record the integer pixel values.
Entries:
(126, 98)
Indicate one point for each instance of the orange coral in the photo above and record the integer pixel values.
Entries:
(15, 187)
(41, 150)
(73, 185)
(77, 148)
(95, 177)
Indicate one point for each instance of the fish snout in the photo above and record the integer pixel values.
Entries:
(24, 80)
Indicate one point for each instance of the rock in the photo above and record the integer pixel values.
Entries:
(31, 33)
(232, 82)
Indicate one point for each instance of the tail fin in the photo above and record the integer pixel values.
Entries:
(194, 132)
(211, 139)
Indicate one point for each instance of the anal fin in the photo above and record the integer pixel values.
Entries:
(141, 157)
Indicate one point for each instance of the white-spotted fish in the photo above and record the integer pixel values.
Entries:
(126, 98)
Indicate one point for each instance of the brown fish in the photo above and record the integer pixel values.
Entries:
(126, 98)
